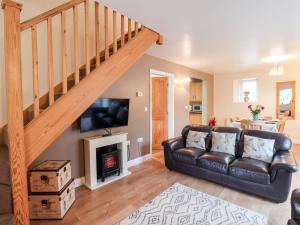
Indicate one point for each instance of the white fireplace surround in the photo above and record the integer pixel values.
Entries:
(90, 147)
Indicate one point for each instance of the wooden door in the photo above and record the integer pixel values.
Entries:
(159, 111)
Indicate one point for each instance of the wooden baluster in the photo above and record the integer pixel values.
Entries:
(97, 33)
(64, 52)
(76, 57)
(136, 28)
(129, 29)
(115, 31)
(50, 61)
(106, 33)
(122, 31)
(36, 101)
(18, 169)
(87, 37)
(51, 13)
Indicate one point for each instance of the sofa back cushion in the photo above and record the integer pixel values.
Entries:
(196, 139)
(258, 148)
(223, 142)
(204, 129)
(282, 142)
(230, 130)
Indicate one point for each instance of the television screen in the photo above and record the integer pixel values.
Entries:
(105, 113)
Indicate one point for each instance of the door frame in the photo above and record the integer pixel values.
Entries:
(171, 100)
(204, 99)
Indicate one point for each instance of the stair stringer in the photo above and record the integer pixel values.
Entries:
(42, 131)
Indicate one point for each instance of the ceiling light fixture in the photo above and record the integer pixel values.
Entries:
(276, 71)
(277, 58)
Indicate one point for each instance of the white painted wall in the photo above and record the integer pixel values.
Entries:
(224, 107)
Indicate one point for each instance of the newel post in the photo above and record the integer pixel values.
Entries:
(18, 167)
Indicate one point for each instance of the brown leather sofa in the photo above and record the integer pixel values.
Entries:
(271, 181)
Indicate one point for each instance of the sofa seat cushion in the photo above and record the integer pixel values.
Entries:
(187, 155)
(215, 161)
(251, 170)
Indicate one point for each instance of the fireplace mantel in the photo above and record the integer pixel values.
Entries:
(90, 146)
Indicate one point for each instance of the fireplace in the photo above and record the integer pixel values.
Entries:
(91, 144)
(108, 162)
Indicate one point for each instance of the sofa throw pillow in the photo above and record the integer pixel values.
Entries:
(258, 148)
(196, 139)
(223, 142)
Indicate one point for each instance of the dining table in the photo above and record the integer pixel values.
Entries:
(265, 125)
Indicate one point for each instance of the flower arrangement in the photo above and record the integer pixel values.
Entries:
(212, 122)
(255, 110)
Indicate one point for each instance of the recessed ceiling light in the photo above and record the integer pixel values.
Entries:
(277, 58)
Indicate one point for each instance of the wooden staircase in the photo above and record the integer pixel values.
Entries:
(31, 131)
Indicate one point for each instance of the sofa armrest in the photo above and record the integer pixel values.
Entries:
(173, 144)
(295, 204)
(284, 160)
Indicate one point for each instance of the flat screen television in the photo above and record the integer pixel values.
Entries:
(105, 113)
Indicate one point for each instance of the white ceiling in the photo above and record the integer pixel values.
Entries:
(219, 36)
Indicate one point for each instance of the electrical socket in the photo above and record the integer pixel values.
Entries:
(140, 140)
(139, 94)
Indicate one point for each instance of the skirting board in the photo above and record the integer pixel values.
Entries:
(139, 160)
(81, 180)
(296, 141)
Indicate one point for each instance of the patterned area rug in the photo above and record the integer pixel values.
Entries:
(181, 205)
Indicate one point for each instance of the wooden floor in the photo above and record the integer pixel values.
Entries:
(112, 203)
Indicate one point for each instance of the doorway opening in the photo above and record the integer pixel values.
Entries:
(161, 109)
(198, 102)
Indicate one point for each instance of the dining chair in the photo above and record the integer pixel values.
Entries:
(251, 125)
(281, 124)
(234, 119)
(268, 118)
(284, 115)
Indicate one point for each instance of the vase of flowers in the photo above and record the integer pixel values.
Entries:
(255, 110)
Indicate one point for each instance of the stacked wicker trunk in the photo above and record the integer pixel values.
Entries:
(52, 190)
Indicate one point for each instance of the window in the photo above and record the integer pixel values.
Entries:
(246, 90)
